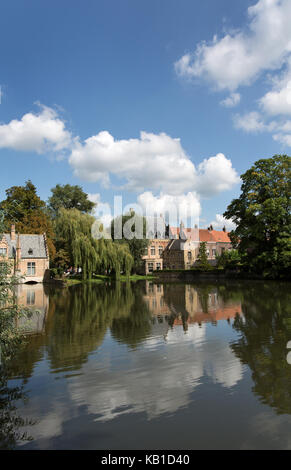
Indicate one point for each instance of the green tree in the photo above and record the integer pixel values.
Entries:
(20, 202)
(229, 259)
(27, 211)
(73, 230)
(202, 258)
(69, 197)
(131, 224)
(263, 218)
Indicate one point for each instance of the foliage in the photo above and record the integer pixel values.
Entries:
(11, 338)
(263, 218)
(20, 202)
(263, 333)
(229, 259)
(202, 259)
(136, 245)
(69, 197)
(93, 256)
(27, 211)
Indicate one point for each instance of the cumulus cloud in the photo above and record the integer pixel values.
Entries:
(238, 58)
(278, 100)
(102, 210)
(221, 222)
(39, 132)
(231, 101)
(215, 174)
(250, 122)
(154, 161)
(184, 207)
(254, 122)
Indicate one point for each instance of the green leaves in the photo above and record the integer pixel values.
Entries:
(69, 197)
(262, 215)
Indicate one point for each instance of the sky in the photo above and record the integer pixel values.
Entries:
(159, 101)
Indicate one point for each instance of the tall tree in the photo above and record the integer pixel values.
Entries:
(69, 197)
(202, 258)
(21, 201)
(263, 218)
(130, 229)
(24, 207)
(73, 229)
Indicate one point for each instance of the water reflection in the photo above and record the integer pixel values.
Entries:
(130, 350)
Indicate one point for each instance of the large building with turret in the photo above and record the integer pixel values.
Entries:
(179, 248)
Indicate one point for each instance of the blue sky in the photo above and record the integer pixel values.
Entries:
(119, 67)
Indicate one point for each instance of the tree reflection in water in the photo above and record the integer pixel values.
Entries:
(79, 317)
(264, 332)
(10, 422)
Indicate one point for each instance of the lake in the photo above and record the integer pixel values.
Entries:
(152, 366)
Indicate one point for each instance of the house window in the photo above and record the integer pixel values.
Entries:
(160, 250)
(30, 251)
(189, 256)
(31, 269)
(153, 250)
(30, 297)
(150, 267)
(158, 266)
(222, 250)
(3, 251)
(146, 251)
(207, 252)
(214, 252)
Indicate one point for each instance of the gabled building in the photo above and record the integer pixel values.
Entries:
(179, 248)
(27, 254)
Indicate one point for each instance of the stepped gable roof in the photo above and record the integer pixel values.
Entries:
(32, 246)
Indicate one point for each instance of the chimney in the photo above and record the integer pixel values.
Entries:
(12, 234)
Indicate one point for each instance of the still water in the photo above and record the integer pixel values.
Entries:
(152, 366)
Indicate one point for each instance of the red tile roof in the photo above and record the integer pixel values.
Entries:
(205, 235)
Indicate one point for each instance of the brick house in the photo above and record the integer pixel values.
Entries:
(153, 257)
(28, 255)
(181, 247)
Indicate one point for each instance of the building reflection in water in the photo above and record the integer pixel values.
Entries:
(34, 297)
(186, 304)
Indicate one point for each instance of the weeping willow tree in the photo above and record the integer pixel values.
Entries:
(73, 229)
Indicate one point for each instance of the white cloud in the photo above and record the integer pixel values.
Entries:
(284, 139)
(250, 122)
(184, 207)
(231, 101)
(240, 57)
(35, 132)
(102, 211)
(221, 222)
(254, 122)
(215, 174)
(154, 162)
(278, 100)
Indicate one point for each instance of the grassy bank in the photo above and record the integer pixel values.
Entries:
(99, 279)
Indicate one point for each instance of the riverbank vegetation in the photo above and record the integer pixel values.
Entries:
(11, 337)
(261, 239)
